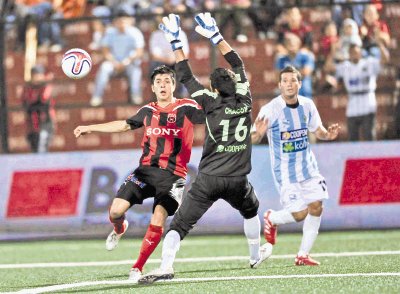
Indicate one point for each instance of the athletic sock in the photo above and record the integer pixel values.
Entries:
(252, 231)
(310, 232)
(281, 217)
(118, 223)
(171, 245)
(149, 244)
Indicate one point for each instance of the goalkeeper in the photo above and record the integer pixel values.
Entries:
(226, 158)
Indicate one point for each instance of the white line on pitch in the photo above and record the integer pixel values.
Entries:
(183, 260)
(127, 282)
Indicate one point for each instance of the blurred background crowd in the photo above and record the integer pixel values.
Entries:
(346, 50)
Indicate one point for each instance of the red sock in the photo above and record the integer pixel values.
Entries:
(118, 223)
(149, 244)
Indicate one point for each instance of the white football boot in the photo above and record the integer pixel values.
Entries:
(265, 253)
(113, 237)
(134, 275)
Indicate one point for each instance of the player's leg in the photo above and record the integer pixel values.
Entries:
(169, 194)
(294, 210)
(150, 241)
(241, 196)
(315, 191)
(131, 192)
(169, 190)
(194, 205)
(117, 218)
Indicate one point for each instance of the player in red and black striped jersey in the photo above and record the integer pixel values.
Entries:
(168, 134)
(167, 143)
(226, 158)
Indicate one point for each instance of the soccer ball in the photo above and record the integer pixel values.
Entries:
(76, 63)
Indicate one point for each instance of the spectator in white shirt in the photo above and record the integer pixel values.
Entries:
(359, 75)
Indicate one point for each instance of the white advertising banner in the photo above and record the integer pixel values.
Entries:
(68, 194)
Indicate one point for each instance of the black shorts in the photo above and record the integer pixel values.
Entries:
(205, 190)
(146, 182)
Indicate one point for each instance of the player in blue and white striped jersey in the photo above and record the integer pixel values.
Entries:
(287, 119)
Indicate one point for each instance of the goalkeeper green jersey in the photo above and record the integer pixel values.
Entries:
(227, 146)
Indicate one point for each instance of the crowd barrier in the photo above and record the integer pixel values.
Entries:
(68, 194)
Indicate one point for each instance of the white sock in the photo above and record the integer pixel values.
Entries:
(310, 232)
(171, 245)
(252, 231)
(281, 217)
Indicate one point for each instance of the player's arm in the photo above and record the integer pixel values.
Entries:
(327, 134)
(208, 28)
(171, 27)
(110, 127)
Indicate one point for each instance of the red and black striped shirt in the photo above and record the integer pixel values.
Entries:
(168, 135)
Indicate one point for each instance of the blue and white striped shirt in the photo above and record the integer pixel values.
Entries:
(291, 157)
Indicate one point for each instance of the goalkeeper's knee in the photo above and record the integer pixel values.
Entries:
(250, 207)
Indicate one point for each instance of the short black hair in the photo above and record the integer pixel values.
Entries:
(224, 80)
(292, 69)
(162, 69)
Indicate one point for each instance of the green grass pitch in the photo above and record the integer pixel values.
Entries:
(351, 262)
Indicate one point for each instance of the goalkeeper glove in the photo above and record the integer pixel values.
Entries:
(208, 28)
(171, 26)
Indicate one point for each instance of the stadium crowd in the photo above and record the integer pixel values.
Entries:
(322, 57)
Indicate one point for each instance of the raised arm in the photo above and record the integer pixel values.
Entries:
(171, 27)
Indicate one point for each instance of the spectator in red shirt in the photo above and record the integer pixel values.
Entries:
(39, 106)
(329, 40)
(293, 23)
(372, 30)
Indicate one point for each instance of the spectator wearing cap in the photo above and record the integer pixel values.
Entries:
(39, 108)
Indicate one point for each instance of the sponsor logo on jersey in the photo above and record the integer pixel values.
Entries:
(163, 132)
(171, 118)
(132, 178)
(295, 146)
(231, 148)
(295, 134)
(240, 110)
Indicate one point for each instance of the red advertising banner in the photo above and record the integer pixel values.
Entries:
(368, 181)
(44, 193)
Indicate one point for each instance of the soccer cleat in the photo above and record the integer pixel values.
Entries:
(134, 275)
(305, 260)
(265, 253)
(113, 237)
(270, 230)
(156, 275)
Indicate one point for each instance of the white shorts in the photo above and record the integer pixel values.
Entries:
(296, 197)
